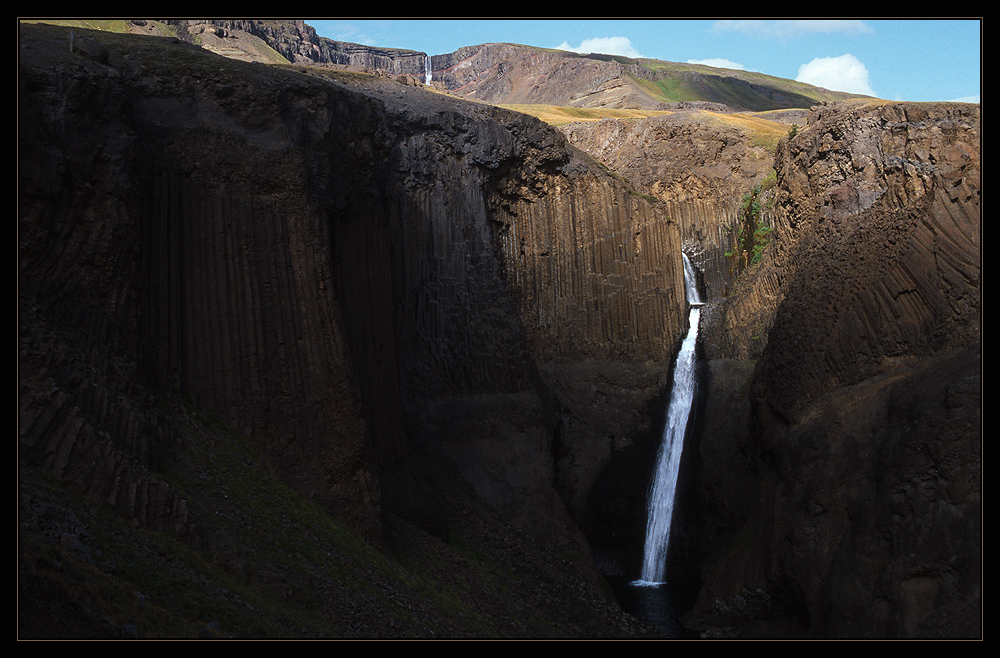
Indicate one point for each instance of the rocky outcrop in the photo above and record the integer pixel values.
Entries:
(508, 73)
(357, 276)
(861, 460)
(298, 43)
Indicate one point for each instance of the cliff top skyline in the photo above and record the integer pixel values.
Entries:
(902, 60)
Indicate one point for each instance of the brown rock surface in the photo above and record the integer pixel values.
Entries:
(511, 73)
(331, 267)
(699, 165)
(862, 459)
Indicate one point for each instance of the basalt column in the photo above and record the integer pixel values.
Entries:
(859, 478)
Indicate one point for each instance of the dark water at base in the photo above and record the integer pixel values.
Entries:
(657, 605)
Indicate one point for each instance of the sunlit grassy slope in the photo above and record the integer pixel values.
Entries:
(556, 116)
(674, 82)
(763, 132)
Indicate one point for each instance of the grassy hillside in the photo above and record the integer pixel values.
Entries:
(557, 115)
(116, 26)
(763, 131)
(243, 46)
(676, 82)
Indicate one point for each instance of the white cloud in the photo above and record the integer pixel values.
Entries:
(790, 29)
(604, 45)
(341, 31)
(718, 63)
(844, 73)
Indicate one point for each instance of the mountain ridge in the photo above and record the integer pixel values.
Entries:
(499, 73)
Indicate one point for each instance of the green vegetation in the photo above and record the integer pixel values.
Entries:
(555, 115)
(761, 238)
(115, 26)
(754, 234)
(674, 82)
(233, 578)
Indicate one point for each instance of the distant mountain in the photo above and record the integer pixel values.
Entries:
(499, 73)
(514, 74)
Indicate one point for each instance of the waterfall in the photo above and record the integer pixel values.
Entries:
(668, 459)
(428, 74)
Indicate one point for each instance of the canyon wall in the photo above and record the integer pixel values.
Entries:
(365, 279)
(841, 496)
(358, 276)
(834, 477)
(698, 166)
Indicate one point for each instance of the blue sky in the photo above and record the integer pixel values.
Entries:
(909, 60)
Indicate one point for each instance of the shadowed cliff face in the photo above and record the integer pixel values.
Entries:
(860, 470)
(354, 274)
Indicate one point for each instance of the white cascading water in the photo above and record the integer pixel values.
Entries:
(668, 460)
(427, 70)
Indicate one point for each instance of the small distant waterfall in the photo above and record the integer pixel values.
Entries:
(661, 495)
(428, 74)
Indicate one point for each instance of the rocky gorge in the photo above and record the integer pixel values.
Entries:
(449, 327)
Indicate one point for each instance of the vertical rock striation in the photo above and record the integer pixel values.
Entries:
(358, 276)
(698, 166)
(863, 457)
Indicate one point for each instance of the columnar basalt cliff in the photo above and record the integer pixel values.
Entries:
(356, 275)
(852, 504)
(695, 163)
(424, 313)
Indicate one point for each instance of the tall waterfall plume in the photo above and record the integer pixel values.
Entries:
(668, 459)
(428, 74)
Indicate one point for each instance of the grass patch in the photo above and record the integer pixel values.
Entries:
(557, 115)
(115, 26)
